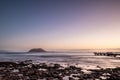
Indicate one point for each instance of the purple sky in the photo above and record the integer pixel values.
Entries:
(59, 24)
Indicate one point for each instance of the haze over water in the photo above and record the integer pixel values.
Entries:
(83, 58)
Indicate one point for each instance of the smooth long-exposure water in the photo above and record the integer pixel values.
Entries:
(81, 59)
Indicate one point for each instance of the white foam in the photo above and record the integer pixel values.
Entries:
(66, 78)
(42, 69)
(86, 71)
(15, 70)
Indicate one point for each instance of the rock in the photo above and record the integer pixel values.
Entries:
(37, 50)
(56, 66)
(5, 64)
(26, 70)
(70, 78)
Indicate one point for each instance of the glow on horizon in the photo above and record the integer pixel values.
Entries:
(52, 26)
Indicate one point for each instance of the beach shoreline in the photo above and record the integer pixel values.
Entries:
(27, 70)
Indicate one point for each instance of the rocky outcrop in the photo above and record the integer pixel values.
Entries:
(26, 70)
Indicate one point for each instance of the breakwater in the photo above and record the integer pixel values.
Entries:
(106, 54)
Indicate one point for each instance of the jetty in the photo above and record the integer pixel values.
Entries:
(113, 54)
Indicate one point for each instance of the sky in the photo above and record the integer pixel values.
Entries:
(59, 24)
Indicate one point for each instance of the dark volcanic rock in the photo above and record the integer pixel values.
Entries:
(7, 64)
(26, 70)
(37, 50)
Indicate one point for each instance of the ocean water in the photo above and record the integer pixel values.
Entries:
(84, 59)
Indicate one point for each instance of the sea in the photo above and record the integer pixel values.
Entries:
(84, 59)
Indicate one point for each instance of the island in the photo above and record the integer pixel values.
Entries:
(36, 50)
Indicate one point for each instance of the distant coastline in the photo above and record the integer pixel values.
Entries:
(37, 50)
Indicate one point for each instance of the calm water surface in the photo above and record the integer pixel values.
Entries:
(66, 58)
